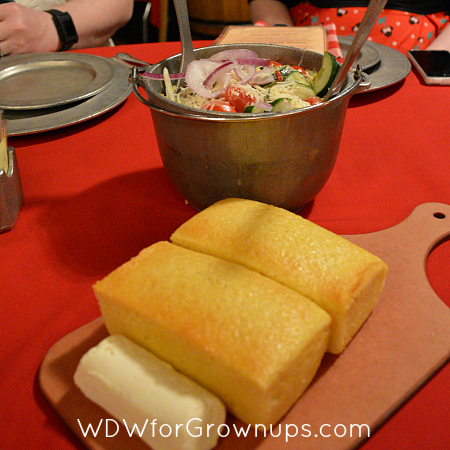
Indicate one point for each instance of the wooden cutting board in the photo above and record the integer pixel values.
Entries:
(403, 343)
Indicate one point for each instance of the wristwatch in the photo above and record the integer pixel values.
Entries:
(65, 28)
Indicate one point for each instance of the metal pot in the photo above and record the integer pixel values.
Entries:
(283, 159)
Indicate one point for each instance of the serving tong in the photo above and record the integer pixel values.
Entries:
(370, 17)
(130, 61)
(187, 48)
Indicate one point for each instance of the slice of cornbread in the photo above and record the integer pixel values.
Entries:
(137, 388)
(339, 276)
(253, 342)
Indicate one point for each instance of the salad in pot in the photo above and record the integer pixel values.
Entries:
(239, 81)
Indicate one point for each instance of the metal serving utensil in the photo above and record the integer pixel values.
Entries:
(187, 49)
(126, 57)
(370, 17)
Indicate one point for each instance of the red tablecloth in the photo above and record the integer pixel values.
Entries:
(96, 193)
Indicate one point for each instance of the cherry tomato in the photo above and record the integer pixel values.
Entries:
(301, 69)
(236, 96)
(219, 105)
(278, 75)
(314, 100)
(275, 64)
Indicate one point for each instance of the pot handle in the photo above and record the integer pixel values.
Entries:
(365, 82)
(136, 81)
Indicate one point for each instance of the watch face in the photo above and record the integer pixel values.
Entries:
(69, 28)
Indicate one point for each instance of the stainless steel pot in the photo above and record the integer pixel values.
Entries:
(283, 159)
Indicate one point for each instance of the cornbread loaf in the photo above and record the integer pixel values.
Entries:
(339, 276)
(135, 386)
(253, 342)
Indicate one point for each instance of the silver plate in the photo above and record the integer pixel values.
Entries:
(392, 68)
(368, 56)
(35, 121)
(45, 80)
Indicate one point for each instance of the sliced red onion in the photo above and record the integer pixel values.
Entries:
(263, 76)
(217, 73)
(197, 72)
(160, 76)
(254, 61)
(245, 73)
(261, 81)
(230, 55)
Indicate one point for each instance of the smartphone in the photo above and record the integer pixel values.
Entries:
(432, 65)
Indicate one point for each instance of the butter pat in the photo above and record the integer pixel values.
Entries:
(134, 385)
(340, 277)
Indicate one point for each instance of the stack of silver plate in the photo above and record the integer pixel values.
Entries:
(44, 91)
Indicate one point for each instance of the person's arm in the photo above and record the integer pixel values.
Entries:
(97, 20)
(271, 12)
(26, 30)
(442, 41)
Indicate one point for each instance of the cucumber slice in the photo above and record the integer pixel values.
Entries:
(254, 109)
(282, 105)
(326, 74)
(304, 91)
(298, 77)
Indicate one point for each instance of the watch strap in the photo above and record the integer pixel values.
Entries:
(65, 27)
